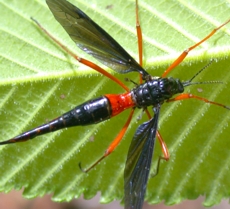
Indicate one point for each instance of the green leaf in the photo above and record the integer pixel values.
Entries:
(39, 82)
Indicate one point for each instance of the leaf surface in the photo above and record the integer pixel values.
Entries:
(39, 82)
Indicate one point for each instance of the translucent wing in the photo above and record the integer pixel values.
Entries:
(139, 161)
(91, 38)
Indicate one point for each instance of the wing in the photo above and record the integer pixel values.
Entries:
(139, 161)
(92, 39)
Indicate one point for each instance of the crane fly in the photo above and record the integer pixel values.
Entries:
(152, 91)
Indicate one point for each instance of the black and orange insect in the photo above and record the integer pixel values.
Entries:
(152, 91)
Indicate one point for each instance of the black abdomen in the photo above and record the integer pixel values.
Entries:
(90, 112)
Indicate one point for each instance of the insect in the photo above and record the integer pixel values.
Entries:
(152, 91)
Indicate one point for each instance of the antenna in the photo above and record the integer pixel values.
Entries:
(189, 82)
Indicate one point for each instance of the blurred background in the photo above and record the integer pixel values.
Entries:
(14, 200)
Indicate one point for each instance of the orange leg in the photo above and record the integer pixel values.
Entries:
(114, 143)
(140, 49)
(81, 60)
(164, 148)
(162, 143)
(185, 53)
(139, 39)
(191, 96)
(164, 151)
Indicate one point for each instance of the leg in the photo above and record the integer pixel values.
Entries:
(114, 143)
(185, 53)
(190, 96)
(164, 151)
(164, 147)
(81, 60)
(139, 39)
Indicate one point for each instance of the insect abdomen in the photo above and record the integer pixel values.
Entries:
(91, 112)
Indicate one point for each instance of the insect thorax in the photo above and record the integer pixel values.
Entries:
(156, 91)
